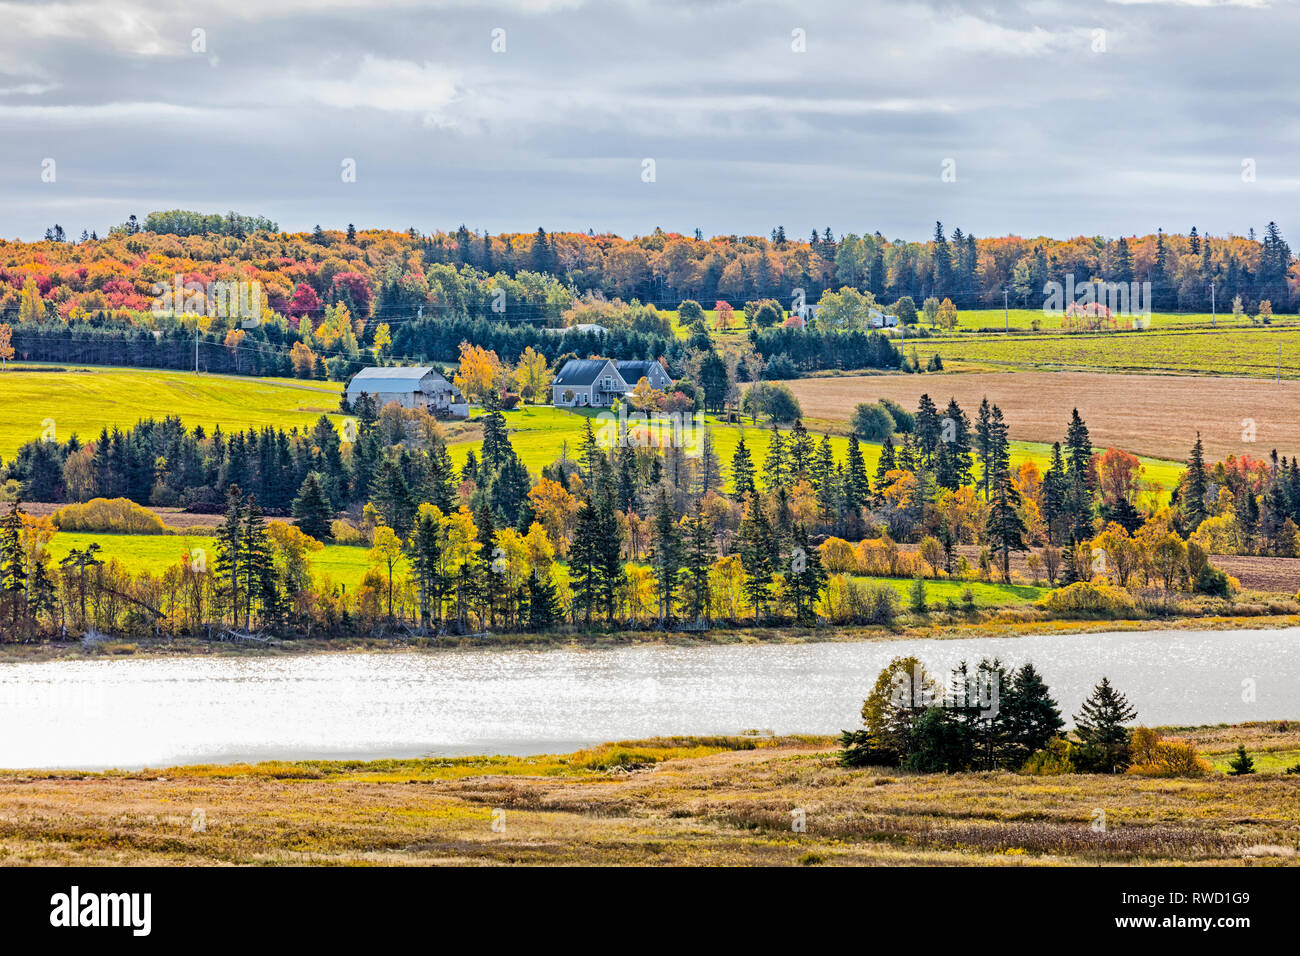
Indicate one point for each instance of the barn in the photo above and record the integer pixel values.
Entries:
(419, 386)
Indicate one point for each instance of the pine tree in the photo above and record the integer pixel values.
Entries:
(756, 556)
(697, 562)
(312, 513)
(800, 451)
(1078, 459)
(1100, 725)
(928, 429)
(857, 486)
(392, 497)
(261, 585)
(885, 463)
(425, 554)
(1242, 763)
(742, 471)
(543, 603)
(806, 578)
(667, 558)
(953, 458)
(13, 571)
(1030, 716)
(228, 568)
(983, 420)
(776, 466)
(1004, 528)
(1197, 487)
(1053, 495)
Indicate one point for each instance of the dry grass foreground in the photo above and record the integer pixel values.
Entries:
(665, 801)
(1153, 415)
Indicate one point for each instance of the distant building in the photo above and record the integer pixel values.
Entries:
(880, 319)
(597, 382)
(582, 327)
(419, 386)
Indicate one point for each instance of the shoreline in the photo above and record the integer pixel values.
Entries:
(939, 631)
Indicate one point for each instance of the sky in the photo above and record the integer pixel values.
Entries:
(731, 116)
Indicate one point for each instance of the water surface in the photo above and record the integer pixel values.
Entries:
(165, 711)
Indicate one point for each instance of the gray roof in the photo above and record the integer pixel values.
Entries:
(639, 369)
(394, 378)
(581, 372)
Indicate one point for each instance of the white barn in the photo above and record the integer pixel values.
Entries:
(419, 386)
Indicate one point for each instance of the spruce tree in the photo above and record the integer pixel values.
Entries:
(1242, 764)
(1197, 487)
(697, 562)
(806, 578)
(312, 514)
(667, 557)
(1031, 717)
(857, 486)
(1100, 725)
(742, 471)
(776, 466)
(756, 556)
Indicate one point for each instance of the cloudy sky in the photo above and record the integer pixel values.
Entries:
(1057, 118)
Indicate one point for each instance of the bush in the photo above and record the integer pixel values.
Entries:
(1214, 582)
(904, 421)
(872, 422)
(1056, 758)
(1086, 599)
(689, 311)
(109, 516)
(777, 402)
(1154, 756)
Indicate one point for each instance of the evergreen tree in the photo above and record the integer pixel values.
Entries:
(312, 513)
(1078, 459)
(1053, 495)
(228, 568)
(800, 451)
(1197, 487)
(928, 429)
(885, 463)
(697, 562)
(776, 466)
(953, 457)
(756, 547)
(742, 471)
(806, 578)
(425, 554)
(1031, 716)
(983, 421)
(857, 486)
(392, 497)
(1242, 763)
(1004, 528)
(667, 556)
(1100, 725)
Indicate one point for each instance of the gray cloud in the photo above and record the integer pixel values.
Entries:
(1048, 135)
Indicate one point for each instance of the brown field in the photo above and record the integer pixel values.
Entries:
(664, 801)
(1153, 415)
(1281, 575)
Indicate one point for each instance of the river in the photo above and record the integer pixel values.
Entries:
(164, 711)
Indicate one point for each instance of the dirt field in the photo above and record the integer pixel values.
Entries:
(1154, 415)
(679, 801)
(1280, 575)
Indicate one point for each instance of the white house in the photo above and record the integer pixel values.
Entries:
(880, 319)
(419, 386)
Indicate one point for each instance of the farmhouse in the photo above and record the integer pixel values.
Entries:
(418, 386)
(597, 382)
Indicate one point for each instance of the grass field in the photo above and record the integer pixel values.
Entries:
(1023, 318)
(685, 801)
(940, 591)
(83, 400)
(155, 553)
(1253, 352)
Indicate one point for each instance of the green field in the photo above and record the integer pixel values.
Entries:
(1022, 319)
(1247, 352)
(938, 591)
(84, 400)
(157, 552)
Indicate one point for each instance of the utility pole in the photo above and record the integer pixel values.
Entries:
(1006, 310)
(196, 350)
(1212, 310)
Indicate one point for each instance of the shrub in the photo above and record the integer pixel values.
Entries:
(1056, 758)
(109, 516)
(904, 421)
(1214, 582)
(872, 422)
(1087, 599)
(1154, 756)
(916, 598)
